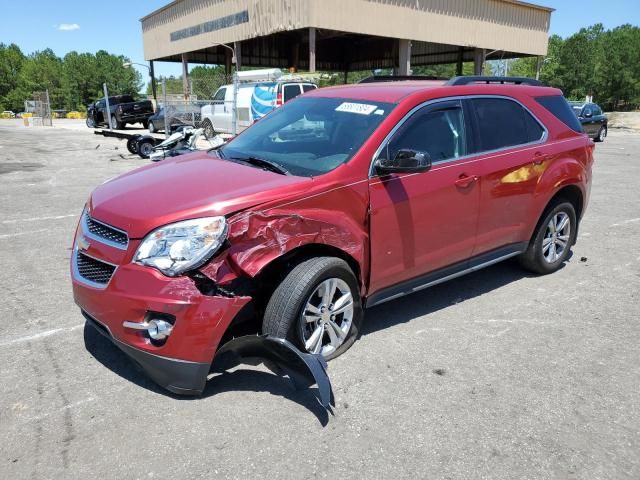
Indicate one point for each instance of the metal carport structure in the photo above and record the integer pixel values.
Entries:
(345, 35)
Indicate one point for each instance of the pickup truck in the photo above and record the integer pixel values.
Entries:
(122, 110)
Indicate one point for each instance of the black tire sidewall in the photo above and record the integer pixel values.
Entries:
(338, 269)
(140, 150)
(541, 264)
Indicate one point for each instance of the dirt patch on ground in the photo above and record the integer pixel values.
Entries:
(627, 120)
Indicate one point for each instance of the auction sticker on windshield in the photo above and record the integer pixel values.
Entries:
(359, 108)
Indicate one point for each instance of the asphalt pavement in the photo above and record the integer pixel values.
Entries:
(497, 375)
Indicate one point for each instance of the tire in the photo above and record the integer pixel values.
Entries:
(145, 147)
(152, 127)
(209, 131)
(284, 318)
(538, 257)
(116, 124)
(132, 144)
(91, 122)
(602, 134)
(145, 123)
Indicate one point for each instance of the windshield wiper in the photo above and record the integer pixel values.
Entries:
(264, 163)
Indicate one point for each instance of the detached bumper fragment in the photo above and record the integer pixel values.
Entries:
(282, 358)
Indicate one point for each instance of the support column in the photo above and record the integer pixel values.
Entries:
(538, 67)
(312, 49)
(238, 49)
(154, 87)
(404, 57)
(227, 61)
(478, 61)
(185, 76)
(459, 63)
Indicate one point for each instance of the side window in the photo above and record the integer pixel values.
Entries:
(307, 86)
(504, 123)
(560, 108)
(290, 92)
(219, 96)
(438, 131)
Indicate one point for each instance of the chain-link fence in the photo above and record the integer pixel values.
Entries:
(40, 108)
(205, 99)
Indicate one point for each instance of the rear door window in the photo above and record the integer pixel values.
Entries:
(503, 123)
(561, 109)
(290, 92)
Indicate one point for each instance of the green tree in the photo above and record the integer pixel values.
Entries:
(11, 62)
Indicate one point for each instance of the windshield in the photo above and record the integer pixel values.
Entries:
(310, 136)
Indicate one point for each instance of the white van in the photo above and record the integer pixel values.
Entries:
(259, 92)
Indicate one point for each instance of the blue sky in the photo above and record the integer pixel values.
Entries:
(66, 25)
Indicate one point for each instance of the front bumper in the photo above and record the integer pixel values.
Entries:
(178, 376)
(134, 292)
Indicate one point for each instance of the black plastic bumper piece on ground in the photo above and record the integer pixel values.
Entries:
(282, 358)
(178, 376)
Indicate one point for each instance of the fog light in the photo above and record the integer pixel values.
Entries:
(159, 329)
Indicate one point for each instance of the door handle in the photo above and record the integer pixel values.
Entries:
(465, 180)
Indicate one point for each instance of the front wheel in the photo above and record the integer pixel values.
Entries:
(317, 307)
(91, 122)
(152, 127)
(209, 132)
(552, 240)
(602, 134)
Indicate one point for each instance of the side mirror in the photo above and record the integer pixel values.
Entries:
(405, 161)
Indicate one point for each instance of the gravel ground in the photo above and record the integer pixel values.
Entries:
(498, 375)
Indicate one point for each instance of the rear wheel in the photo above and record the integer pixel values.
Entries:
(602, 134)
(145, 147)
(132, 144)
(317, 307)
(145, 123)
(552, 240)
(115, 123)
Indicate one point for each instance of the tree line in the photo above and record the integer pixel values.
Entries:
(594, 61)
(73, 81)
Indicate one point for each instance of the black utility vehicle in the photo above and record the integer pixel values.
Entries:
(593, 120)
(122, 110)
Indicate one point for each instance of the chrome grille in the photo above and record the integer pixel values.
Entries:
(104, 231)
(94, 270)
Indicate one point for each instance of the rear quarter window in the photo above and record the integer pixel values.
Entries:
(504, 123)
(560, 108)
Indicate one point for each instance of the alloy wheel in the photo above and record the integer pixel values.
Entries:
(556, 237)
(327, 317)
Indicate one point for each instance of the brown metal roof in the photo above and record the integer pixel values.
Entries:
(269, 28)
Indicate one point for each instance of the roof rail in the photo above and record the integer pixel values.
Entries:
(455, 81)
(398, 78)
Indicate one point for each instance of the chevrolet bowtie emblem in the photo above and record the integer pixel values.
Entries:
(83, 244)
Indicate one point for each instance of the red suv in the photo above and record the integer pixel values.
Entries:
(342, 199)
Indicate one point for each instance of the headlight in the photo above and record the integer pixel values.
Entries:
(179, 247)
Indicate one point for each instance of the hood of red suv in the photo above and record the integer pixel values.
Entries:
(189, 186)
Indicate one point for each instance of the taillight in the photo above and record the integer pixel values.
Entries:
(279, 99)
